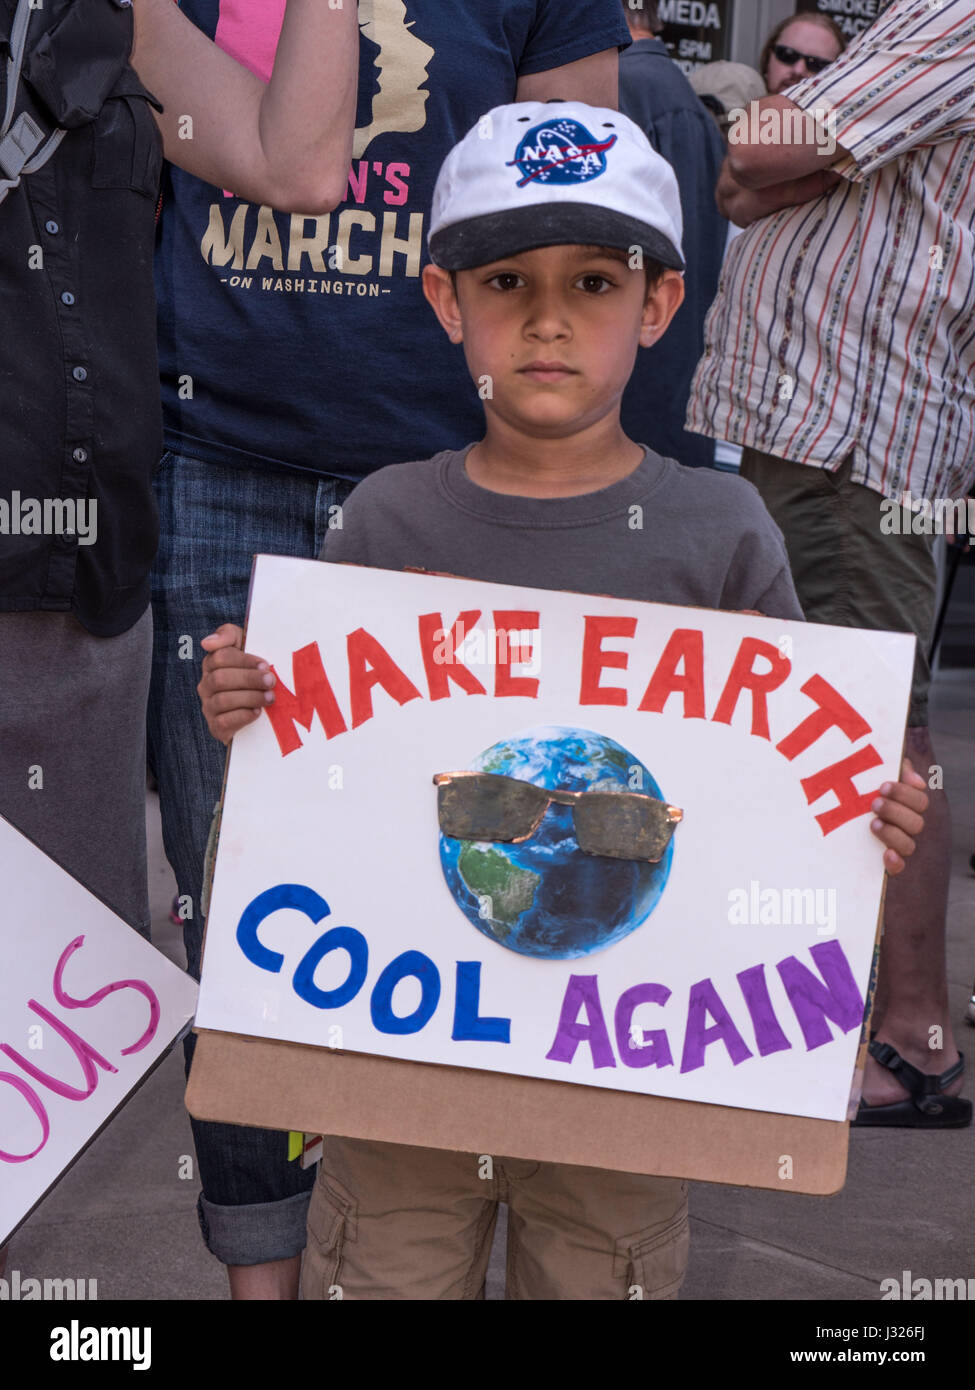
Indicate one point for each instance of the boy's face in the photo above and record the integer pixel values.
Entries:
(551, 335)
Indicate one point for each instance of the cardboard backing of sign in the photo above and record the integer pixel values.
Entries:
(289, 1085)
(279, 1085)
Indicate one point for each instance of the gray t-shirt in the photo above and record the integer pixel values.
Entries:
(665, 534)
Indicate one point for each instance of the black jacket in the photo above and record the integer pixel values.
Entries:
(79, 394)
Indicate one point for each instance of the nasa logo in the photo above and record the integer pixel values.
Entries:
(560, 152)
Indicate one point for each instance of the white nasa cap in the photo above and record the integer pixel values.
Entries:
(551, 173)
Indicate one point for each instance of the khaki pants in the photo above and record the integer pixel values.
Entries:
(847, 570)
(392, 1222)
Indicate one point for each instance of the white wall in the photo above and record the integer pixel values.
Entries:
(751, 21)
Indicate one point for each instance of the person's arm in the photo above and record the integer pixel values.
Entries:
(801, 146)
(904, 83)
(743, 206)
(594, 80)
(571, 52)
(287, 143)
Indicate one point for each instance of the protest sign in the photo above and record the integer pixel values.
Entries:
(87, 1009)
(352, 910)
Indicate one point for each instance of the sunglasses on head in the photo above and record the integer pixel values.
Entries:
(789, 56)
(615, 824)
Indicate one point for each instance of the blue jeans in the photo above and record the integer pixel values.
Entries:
(212, 521)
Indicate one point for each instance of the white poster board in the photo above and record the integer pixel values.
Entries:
(731, 972)
(87, 1008)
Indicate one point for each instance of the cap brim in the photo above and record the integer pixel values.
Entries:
(713, 103)
(491, 237)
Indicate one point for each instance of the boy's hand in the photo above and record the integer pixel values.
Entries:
(235, 685)
(900, 817)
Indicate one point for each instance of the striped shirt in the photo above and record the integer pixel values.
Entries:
(848, 323)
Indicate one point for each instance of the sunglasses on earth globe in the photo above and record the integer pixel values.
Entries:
(614, 824)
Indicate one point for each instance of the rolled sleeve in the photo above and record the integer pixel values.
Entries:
(906, 82)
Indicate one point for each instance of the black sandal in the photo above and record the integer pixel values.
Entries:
(927, 1107)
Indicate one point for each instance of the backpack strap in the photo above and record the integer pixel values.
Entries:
(23, 147)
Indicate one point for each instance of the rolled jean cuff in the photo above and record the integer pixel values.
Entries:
(256, 1233)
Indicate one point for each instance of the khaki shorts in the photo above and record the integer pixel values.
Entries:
(845, 569)
(392, 1222)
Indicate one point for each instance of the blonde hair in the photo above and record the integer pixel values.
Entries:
(812, 17)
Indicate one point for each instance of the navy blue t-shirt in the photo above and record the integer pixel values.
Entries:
(275, 349)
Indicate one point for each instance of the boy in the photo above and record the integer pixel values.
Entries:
(556, 245)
